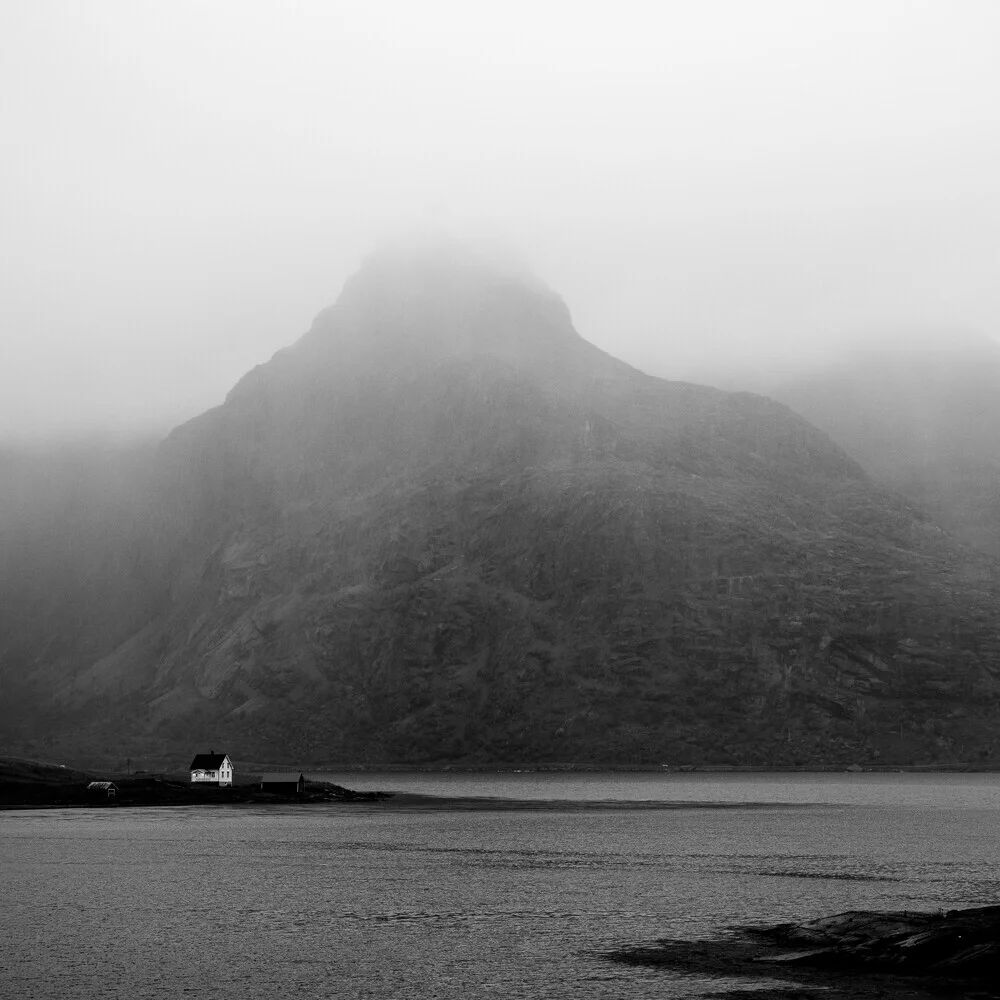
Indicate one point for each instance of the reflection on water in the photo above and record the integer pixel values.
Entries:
(370, 901)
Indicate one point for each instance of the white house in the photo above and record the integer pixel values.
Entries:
(212, 768)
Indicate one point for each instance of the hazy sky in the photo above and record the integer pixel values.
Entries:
(184, 185)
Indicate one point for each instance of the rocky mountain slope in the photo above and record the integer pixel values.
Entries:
(443, 527)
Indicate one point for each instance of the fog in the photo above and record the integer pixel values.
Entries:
(710, 186)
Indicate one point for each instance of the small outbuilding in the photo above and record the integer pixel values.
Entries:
(103, 789)
(212, 768)
(283, 783)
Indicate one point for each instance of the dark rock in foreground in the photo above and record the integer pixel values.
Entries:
(857, 953)
(959, 942)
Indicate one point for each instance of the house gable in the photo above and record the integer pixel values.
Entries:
(212, 768)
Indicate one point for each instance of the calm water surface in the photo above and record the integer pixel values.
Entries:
(371, 901)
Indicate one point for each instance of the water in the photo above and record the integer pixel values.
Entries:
(933, 791)
(371, 901)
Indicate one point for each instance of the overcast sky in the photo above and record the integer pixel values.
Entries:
(184, 185)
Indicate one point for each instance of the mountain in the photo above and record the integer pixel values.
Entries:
(924, 421)
(443, 527)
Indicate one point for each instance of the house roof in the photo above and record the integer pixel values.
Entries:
(283, 776)
(207, 761)
(102, 785)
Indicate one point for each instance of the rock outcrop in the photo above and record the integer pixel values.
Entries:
(859, 953)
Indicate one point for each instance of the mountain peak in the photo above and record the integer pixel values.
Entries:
(441, 298)
(446, 263)
(444, 526)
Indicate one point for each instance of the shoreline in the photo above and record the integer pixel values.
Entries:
(386, 800)
(27, 784)
(254, 766)
(550, 768)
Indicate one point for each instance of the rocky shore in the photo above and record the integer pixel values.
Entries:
(33, 785)
(854, 954)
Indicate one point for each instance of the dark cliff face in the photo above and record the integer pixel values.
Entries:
(443, 526)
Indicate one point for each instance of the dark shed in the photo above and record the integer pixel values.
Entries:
(107, 789)
(283, 782)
